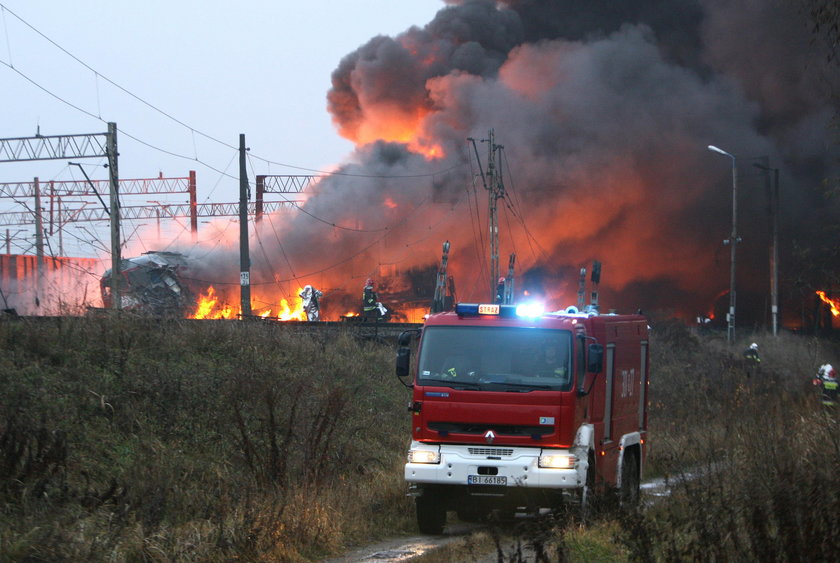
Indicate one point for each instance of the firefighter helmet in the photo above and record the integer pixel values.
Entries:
(753, 346)
(829, 372)
(369, 282)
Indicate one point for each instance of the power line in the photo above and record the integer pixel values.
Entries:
(169, 116)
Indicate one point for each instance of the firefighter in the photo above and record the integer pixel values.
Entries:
(311, 303)
(500, 290)
(370, 302)
(751, 354)
(827, 380)
(551, 364)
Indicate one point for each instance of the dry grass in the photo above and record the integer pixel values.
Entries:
(133, 439)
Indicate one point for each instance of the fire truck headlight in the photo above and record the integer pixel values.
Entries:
(423, 456)
(557, 461)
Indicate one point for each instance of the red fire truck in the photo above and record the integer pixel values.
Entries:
(515, 409)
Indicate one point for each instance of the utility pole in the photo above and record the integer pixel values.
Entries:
(581, 295)
(774, 246)
(39, 243)
(596, 279)
(114, 177)
(439, 301)
(244, 256)
(509, 287)
(63, 147)
(493, 183)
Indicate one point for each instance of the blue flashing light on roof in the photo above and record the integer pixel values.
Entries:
(531, 310)
(466, 309)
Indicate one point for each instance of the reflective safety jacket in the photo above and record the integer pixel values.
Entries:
(829, 391)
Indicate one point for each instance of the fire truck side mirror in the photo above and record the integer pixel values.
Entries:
(403, 361)
(595, 360)
(404, 339)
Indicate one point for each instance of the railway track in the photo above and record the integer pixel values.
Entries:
(379, 329)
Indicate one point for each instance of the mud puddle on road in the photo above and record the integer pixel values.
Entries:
(406, 548)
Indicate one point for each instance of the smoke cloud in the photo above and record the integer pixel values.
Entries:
(605, 110)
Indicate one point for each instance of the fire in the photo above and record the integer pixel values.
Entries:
(430, 151)
(399, 125)
(833, 303)
(210, 306)
(287, 313)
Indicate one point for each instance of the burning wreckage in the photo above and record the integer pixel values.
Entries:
(171, 284)
(154, 283)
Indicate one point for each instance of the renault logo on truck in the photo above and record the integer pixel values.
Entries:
(489, 436)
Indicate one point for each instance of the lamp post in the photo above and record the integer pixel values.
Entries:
(774, 251)
(733, 242)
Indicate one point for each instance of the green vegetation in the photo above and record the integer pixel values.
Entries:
(131, 439)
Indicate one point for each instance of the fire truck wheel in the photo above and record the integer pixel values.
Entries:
(586, 493)
(431, 515)
(630, 480)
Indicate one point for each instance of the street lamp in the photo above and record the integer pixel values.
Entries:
(733, 242)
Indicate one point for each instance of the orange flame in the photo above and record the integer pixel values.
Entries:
(287, 313)
(211, 307)
(833, 303)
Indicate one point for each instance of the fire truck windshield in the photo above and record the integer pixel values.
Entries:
(496, 358)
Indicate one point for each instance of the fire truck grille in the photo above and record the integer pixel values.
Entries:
(490, 451)
(500, 430)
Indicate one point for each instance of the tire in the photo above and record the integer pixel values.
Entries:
(431, 514)
(629, 493)
(586, 494)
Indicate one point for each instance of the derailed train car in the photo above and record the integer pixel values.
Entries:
(155, 283)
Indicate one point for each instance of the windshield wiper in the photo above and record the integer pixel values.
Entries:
(521, 386)
(451, 383)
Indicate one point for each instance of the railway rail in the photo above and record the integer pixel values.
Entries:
(378, 329)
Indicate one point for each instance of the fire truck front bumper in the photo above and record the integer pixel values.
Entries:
(478, 466)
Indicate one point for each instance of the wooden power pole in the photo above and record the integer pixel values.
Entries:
(492, 181)
(244, 255)
(114, 177)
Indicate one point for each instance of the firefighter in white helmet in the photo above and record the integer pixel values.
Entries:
(827, 381)
(311, 303)
(751, 353)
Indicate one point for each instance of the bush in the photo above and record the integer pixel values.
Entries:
(129, 438)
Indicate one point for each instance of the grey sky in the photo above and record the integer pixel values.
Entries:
(257, 67)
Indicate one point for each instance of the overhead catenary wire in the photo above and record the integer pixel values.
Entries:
(186, 126)
(221, 173)
(475, 220)
(515, 203)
